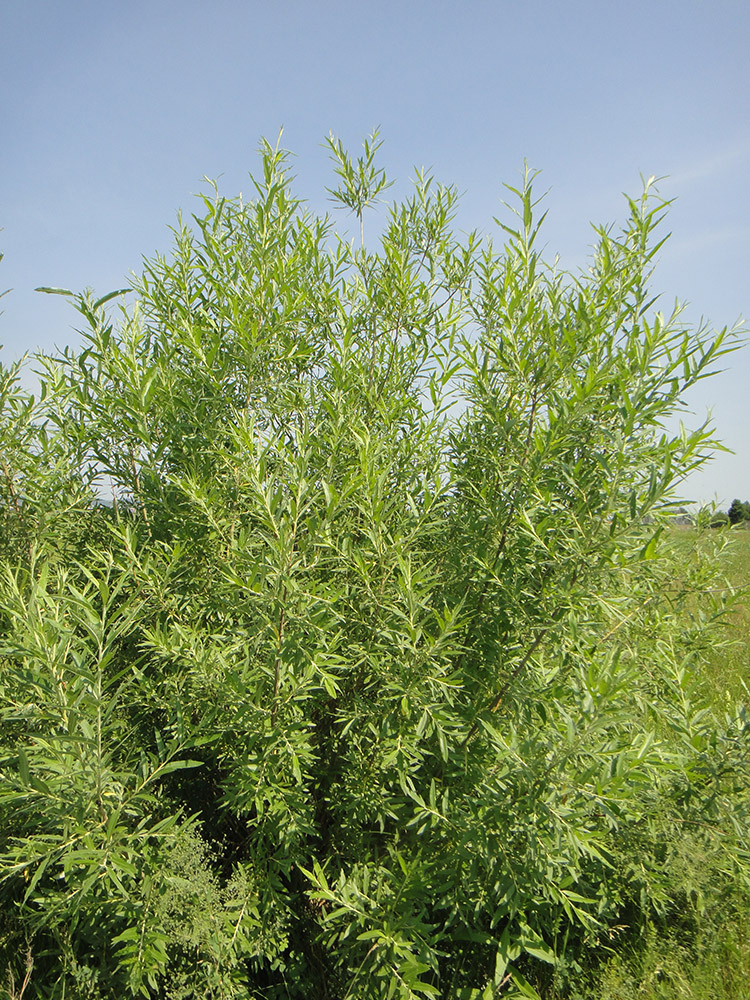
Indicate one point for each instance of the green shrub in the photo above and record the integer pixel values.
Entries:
(375, 678)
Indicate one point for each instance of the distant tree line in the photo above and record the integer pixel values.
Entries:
(738, 513)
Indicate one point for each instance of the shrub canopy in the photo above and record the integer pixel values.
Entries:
(374, 677)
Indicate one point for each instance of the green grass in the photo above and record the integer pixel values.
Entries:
(714, 966)
(727, 668)
(710, 958)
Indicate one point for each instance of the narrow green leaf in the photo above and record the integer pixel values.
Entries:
(54, 291)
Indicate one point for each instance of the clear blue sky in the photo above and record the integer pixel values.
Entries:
(111, 113)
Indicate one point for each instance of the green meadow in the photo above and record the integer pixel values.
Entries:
(701, 950)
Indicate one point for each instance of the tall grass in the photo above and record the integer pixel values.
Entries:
(705, 954)
(730, 670)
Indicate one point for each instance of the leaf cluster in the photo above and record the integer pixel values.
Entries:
(374, 674)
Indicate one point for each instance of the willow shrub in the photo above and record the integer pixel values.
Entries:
(373, 678)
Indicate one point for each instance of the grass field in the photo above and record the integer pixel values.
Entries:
(713, 961)
(735, 667)
(728, 668)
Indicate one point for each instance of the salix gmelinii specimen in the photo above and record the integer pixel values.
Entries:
(343, 654)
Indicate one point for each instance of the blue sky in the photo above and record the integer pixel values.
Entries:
(111, 114)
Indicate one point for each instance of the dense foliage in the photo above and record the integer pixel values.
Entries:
(738, 511)
(372, 677)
